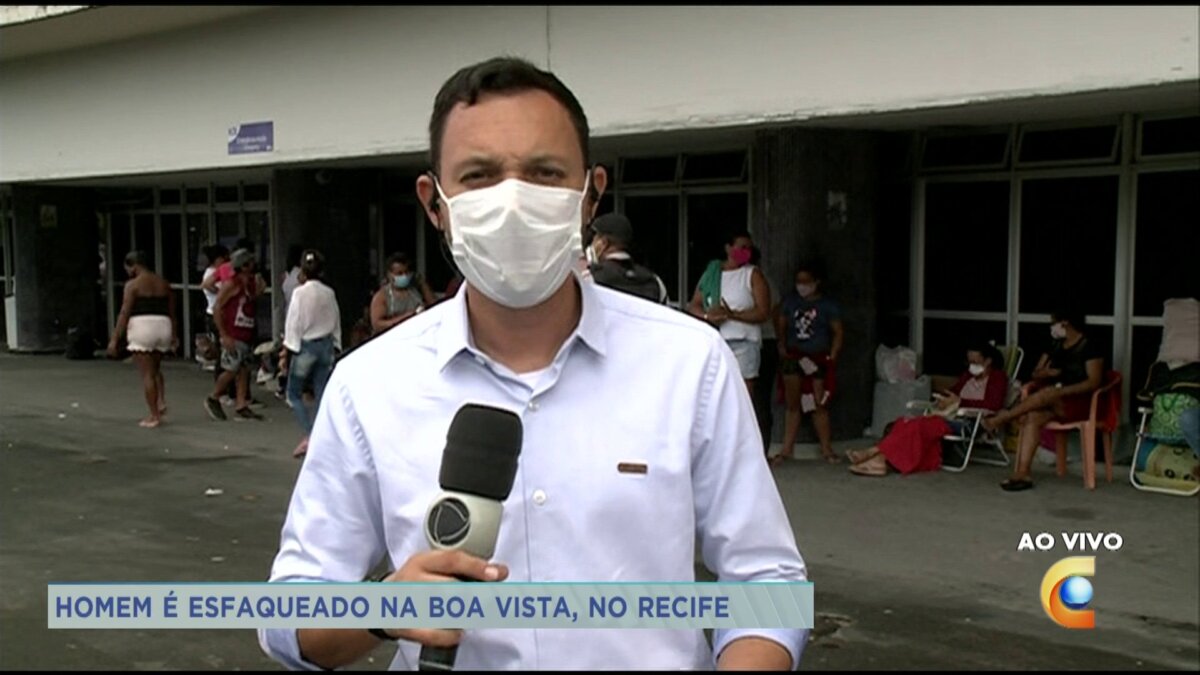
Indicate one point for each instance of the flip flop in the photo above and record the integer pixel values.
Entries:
(1016, 484)
(832, 458)
(777, 460)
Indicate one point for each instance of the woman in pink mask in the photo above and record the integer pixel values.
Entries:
(733, 297)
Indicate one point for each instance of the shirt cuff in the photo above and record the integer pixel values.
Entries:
(791, 639)
(283, 645)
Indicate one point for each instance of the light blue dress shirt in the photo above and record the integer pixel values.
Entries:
(635, 382)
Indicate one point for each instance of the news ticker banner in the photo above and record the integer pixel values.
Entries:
(430, 605)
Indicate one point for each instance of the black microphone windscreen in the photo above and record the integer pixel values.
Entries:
(481, 452)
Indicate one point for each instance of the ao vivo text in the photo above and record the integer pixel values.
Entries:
(1071, 541)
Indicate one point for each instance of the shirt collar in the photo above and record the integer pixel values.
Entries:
(454, 334)
(617, 255)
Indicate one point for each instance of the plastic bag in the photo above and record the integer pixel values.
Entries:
(895, 364)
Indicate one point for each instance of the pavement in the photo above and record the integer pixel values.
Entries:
(919, 572)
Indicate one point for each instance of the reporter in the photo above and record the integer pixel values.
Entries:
(509, 155)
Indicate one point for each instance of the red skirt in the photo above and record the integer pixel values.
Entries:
(915, 443)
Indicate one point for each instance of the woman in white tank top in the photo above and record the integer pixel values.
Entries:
(742, 305)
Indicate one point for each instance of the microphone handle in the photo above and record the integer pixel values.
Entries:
(439, 658)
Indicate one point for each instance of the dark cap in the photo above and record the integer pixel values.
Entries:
(614, 226)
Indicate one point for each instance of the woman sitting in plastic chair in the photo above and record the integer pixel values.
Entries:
(914, 443)
(1062, 387)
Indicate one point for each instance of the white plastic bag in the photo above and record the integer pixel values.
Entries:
(895, 364)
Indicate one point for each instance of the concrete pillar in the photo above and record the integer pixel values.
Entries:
(56, 263)
(800, 176)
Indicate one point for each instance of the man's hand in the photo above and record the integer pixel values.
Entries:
(442, 566)
(754, 653)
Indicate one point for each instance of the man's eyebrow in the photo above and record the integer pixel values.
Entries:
(477, 162)
(544, 159)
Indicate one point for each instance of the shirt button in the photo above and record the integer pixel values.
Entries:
(539, 497)
(533, 405)
(480, 360)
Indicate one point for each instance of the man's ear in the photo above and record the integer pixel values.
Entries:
(427, 193)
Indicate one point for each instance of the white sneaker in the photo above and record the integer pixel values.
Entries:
(263, 376)
(227, 402)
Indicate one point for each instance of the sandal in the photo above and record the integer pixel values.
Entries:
(859, 456)
(1016, 484)
(869, 469)
(832, 458)
(777, 460)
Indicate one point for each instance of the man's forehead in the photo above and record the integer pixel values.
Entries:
(528, 124)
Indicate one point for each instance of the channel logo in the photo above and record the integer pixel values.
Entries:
(1066, 592)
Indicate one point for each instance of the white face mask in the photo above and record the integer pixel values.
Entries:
(975, 369)
(516, 242)
(806, 290)
(1057, 331)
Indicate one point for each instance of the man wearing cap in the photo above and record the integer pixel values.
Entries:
(611, 265)
(234, 314)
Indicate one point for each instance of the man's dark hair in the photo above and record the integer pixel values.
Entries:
(398, 258)
(1071, 315)
(312, 264)
(500, 75)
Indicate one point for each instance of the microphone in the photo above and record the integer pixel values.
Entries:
(478, 468)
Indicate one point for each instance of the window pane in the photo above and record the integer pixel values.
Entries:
(965, 150)
(1034, 338)
(258, 232)
(718, 166)
(143, 232)
(1166, 263)
(711, 220)
(649, 170)
(169, 197)
(966, 246)
(608, 204)
(121, 245)
(198, 238)
(946, 342)
(197, 196)
(227, 194)
(228, 229)
(1068, 244)
(1166, 137)
(1068, 144)
(1146, 342)
(258, 192)
(655, 222)
(171, 266)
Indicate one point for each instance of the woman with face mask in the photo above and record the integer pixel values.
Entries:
(402, 296)
(148, 315)
(733, 297)
(914, 444)
(809, 327)
(1063, 382)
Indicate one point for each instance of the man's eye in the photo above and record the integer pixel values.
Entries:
(548, 174)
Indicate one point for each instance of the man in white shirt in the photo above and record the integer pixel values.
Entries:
(602, 381)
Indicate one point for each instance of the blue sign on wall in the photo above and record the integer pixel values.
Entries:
(252, 137)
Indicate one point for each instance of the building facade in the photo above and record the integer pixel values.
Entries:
(961, 171)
